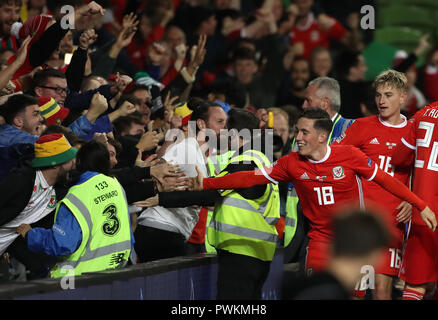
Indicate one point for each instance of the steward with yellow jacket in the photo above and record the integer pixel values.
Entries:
(242, 227)
(92, 229)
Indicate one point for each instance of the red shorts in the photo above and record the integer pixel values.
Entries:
(391, 260)
(317, 257)
(391, 257)
(420, 258)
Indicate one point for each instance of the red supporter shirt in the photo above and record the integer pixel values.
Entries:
(118, 7)
(420, 147)
(378, 139)
(198, 234)
(312, 36)
(138, 48)
(9, 43)
(431, 83)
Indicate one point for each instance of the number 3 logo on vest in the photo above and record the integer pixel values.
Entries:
(112, 223)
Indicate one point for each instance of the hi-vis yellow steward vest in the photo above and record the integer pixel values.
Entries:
(244, 226)
(218, 162)
(99, 205)
(291, 219)
(215, 164)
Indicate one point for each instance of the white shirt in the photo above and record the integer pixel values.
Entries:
(181, 220)
(41, 203)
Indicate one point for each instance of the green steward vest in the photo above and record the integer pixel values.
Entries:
(215, 164)
(244, 226)
(290, 221)
(99, 205)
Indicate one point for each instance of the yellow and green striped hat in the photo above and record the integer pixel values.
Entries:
(183, 111)
(51, 150)
(52, 111)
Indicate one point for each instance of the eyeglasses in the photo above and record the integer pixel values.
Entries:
(58, 90)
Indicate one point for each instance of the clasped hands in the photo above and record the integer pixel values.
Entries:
(172, 179)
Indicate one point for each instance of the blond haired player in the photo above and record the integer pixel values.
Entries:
(377, 136)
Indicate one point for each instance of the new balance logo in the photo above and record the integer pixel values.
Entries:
(374, 141)
(117, 258)
(304, 176)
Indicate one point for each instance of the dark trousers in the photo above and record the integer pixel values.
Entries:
(240, 277)
(154, 244)
(296, 251)
(38, 264)
(194, 248)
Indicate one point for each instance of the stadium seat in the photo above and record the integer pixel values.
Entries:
(401, 37)
(378, 57)
(429, 4)
(407, 16)
(422, 14)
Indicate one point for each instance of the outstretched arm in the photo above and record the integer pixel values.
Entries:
(178, 199)
(246, 179)
(398, 189)
(237, 180)
(64, 238)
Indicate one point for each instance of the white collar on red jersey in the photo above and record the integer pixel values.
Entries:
(310, 20)
(431, 69)
(327, 155)
(401, 125)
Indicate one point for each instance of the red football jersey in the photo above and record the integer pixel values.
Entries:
(378, 139)
(323, 185)
(312, 36)
(423, 140)
(430, 83)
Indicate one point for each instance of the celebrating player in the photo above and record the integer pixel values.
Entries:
(377, 136)
(419, 268)
(324, 176)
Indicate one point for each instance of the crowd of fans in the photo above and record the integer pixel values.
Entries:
(123, 73)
